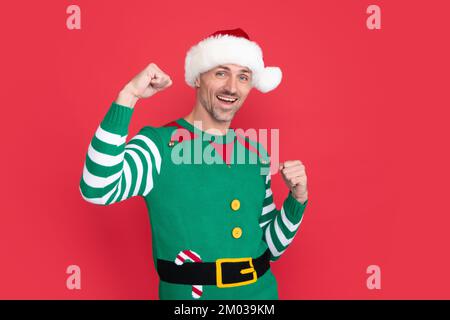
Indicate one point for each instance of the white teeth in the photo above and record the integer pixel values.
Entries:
(226, 99)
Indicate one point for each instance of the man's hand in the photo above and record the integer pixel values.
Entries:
(294, 175)
(148, 82)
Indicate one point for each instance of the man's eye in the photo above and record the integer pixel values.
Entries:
(220, 73)
(244, 78)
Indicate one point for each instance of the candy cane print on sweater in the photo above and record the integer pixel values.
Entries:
(182, 256)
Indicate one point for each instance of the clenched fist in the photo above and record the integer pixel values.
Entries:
(294, 175)
(148, 82)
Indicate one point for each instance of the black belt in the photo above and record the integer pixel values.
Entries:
(226, 272)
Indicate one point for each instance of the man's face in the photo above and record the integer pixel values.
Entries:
(226, 82)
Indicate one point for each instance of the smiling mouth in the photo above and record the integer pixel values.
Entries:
(226, 100)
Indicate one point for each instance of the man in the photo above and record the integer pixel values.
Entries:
(215, 227)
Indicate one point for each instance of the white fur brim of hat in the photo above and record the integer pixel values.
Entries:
(218, 50)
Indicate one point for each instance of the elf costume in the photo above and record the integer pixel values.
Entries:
(215, 227)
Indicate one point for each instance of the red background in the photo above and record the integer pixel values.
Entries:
(367, 112)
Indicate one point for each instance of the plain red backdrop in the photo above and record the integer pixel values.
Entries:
(367, 111)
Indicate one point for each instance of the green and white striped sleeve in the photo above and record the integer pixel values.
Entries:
(115, 170)
(280, 226)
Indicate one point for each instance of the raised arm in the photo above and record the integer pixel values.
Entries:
(115, 170)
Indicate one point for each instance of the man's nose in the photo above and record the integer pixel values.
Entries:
(231, 85)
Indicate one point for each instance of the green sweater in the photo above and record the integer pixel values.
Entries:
(199, 195)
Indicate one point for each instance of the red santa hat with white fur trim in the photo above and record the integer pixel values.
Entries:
(231, 46)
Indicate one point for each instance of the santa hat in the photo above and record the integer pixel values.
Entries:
(231, 46)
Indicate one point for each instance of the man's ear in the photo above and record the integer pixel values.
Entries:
(197, 82)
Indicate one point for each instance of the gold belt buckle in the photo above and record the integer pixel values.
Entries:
(219, 282)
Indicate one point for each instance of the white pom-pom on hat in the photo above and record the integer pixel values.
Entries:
(268, 79)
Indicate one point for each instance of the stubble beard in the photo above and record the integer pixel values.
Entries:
(218, 115)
